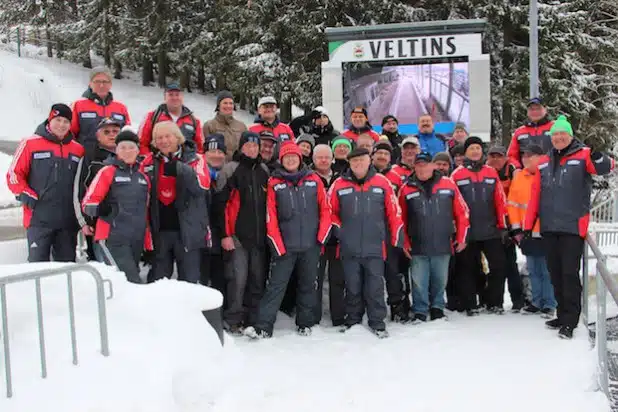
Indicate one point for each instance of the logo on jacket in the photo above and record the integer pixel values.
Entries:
(311, 184)
(377, 190)
(189, 127)
(88, 115)
(118, 116)
(413, 195)
(280, 186)
(167, 193)
(42, 155)
(344, 192)
(121, 179)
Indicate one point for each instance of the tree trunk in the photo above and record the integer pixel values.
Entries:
(59, 50)
(285, 108)
(73, 7)
(201, 77)
(242, 100)
(50, 51)
(86, 60)
(117, 69)
(162, 66)
(184, 79)
(147, 73)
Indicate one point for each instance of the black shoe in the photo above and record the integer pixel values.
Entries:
(517, 306)
(553, 324)
(400, 312)
(380, 333)
(473, 312)
(566, 332)
(531, 310)
(548, 313)
(435, 314)
(235, 330)
(496, 310)
(344, 328)
(337, 323)
(419, 318)
(303, 331)
(256, 333)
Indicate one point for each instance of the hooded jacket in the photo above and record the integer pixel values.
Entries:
(189, 125)
(41, 176)
(529, 133)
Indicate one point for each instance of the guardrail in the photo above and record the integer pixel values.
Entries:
(37, 276)
(606, 211)
(604, 282)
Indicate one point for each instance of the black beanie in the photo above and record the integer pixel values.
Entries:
(247, 137)
(60, 110)
(388, 118)
(383, 145)
(127, 136)
(223, 94)
(472, 140)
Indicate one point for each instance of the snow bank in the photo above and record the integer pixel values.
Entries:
(164, 356)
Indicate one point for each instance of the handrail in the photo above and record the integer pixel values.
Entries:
(604, 283)
(37, 276)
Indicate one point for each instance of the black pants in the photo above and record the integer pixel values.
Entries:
(125, 256)
(512, 275)
(289, 298)
(336, 286)
(281, 268)
(213, 272)
(169, 250)
(451, 290)
(246, 277)
(45, 243)
(394, 277)
(468, 273)
(563, 253)
(364, 282)
(91, 256)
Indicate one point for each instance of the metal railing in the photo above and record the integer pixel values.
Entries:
(604, 282)
(606, 211)
(37, 276)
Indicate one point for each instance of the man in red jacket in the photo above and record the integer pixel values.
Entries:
(360, 125)
(363, 207)
(480, 187)
(96, 103)
(298, 223)
(267, 120)
(173, 109)
(534, 131)
(560, 198)
(41, 177)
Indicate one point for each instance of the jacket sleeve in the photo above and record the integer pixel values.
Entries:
(127, 118)
(17, 175)
(532, 212)
(193, 180)
(226, 202)
(272, 221)
(145, 134)
(97, 191)
(403, 206)
(333, 200)
(75, 120)
(513, 151)
(516, 205)
(325, 223)
(599, 163)
(199, 136)
(393, 215)
(500, 204)
(461, 214)
(78, 193)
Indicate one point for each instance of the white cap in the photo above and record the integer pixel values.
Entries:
(410, 140)
(322, 110)
(267, 100)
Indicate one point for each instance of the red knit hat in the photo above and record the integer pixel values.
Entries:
(289, 147)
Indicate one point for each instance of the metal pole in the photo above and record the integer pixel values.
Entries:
(614, 204)
(602, 330)
(5, 341)
(39, 313)
(534, 48)
(585, 283)
(72, 316)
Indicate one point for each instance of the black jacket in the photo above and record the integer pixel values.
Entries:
(395, 139)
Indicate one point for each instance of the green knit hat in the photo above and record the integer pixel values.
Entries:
(562, 125)
(341, 140)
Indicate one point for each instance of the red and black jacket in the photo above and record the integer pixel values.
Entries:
(181, 194)
(297, 211)
(41, 176)
(560, 195)
(404, 171)
(429, 217)
(118, 198)
(530, 133)
(352, 133)
(481, 189)
(393, 177)
(88, 112)
(280, 130)
(189, 125)
(361, 212)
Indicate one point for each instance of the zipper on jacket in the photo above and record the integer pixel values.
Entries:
(254, 192)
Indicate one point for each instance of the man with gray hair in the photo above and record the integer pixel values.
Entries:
(322, 161)
(96, 103)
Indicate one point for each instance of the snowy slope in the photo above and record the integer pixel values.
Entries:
(162, 350)
(30, 86)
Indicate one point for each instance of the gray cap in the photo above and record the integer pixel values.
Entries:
(410, 140)
(100, 70)
(267, 100)
(461, 126)
(306, 137)
(497, 150)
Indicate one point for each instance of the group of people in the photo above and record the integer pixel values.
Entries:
(265, 213)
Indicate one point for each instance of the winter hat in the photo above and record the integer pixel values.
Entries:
(341, 140)
(561, 125)
(472, 140)
(383, 145)
(359, 109)
(215, 141)
(100, 70)
(109, 121)
(223, 94)
(319, 111)
(458, 150)
(172, 87)
(248, 137)
(289, 147)
(535, 100)
(60, 110)
(388, 118)
(500, 150)
(442, 157)
(460, 126)
(306, 137)
(423, 157)
(127, 136)
(359, 151)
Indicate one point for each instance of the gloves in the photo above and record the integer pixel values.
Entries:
(27, 200)
(596, 156)
(170, 168)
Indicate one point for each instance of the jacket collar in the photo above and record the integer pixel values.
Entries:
(89, 94)
(43, 131)
(185, 111)
(349, 175)
(473, 165)
(541, 122)
(275, 123)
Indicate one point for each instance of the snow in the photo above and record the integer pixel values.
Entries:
(162, 349)
(29, 86)
(6, 197)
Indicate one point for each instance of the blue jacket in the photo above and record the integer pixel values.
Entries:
(432, 143)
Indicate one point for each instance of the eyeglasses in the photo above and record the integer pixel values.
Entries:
(99, 82)
(110, 132)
